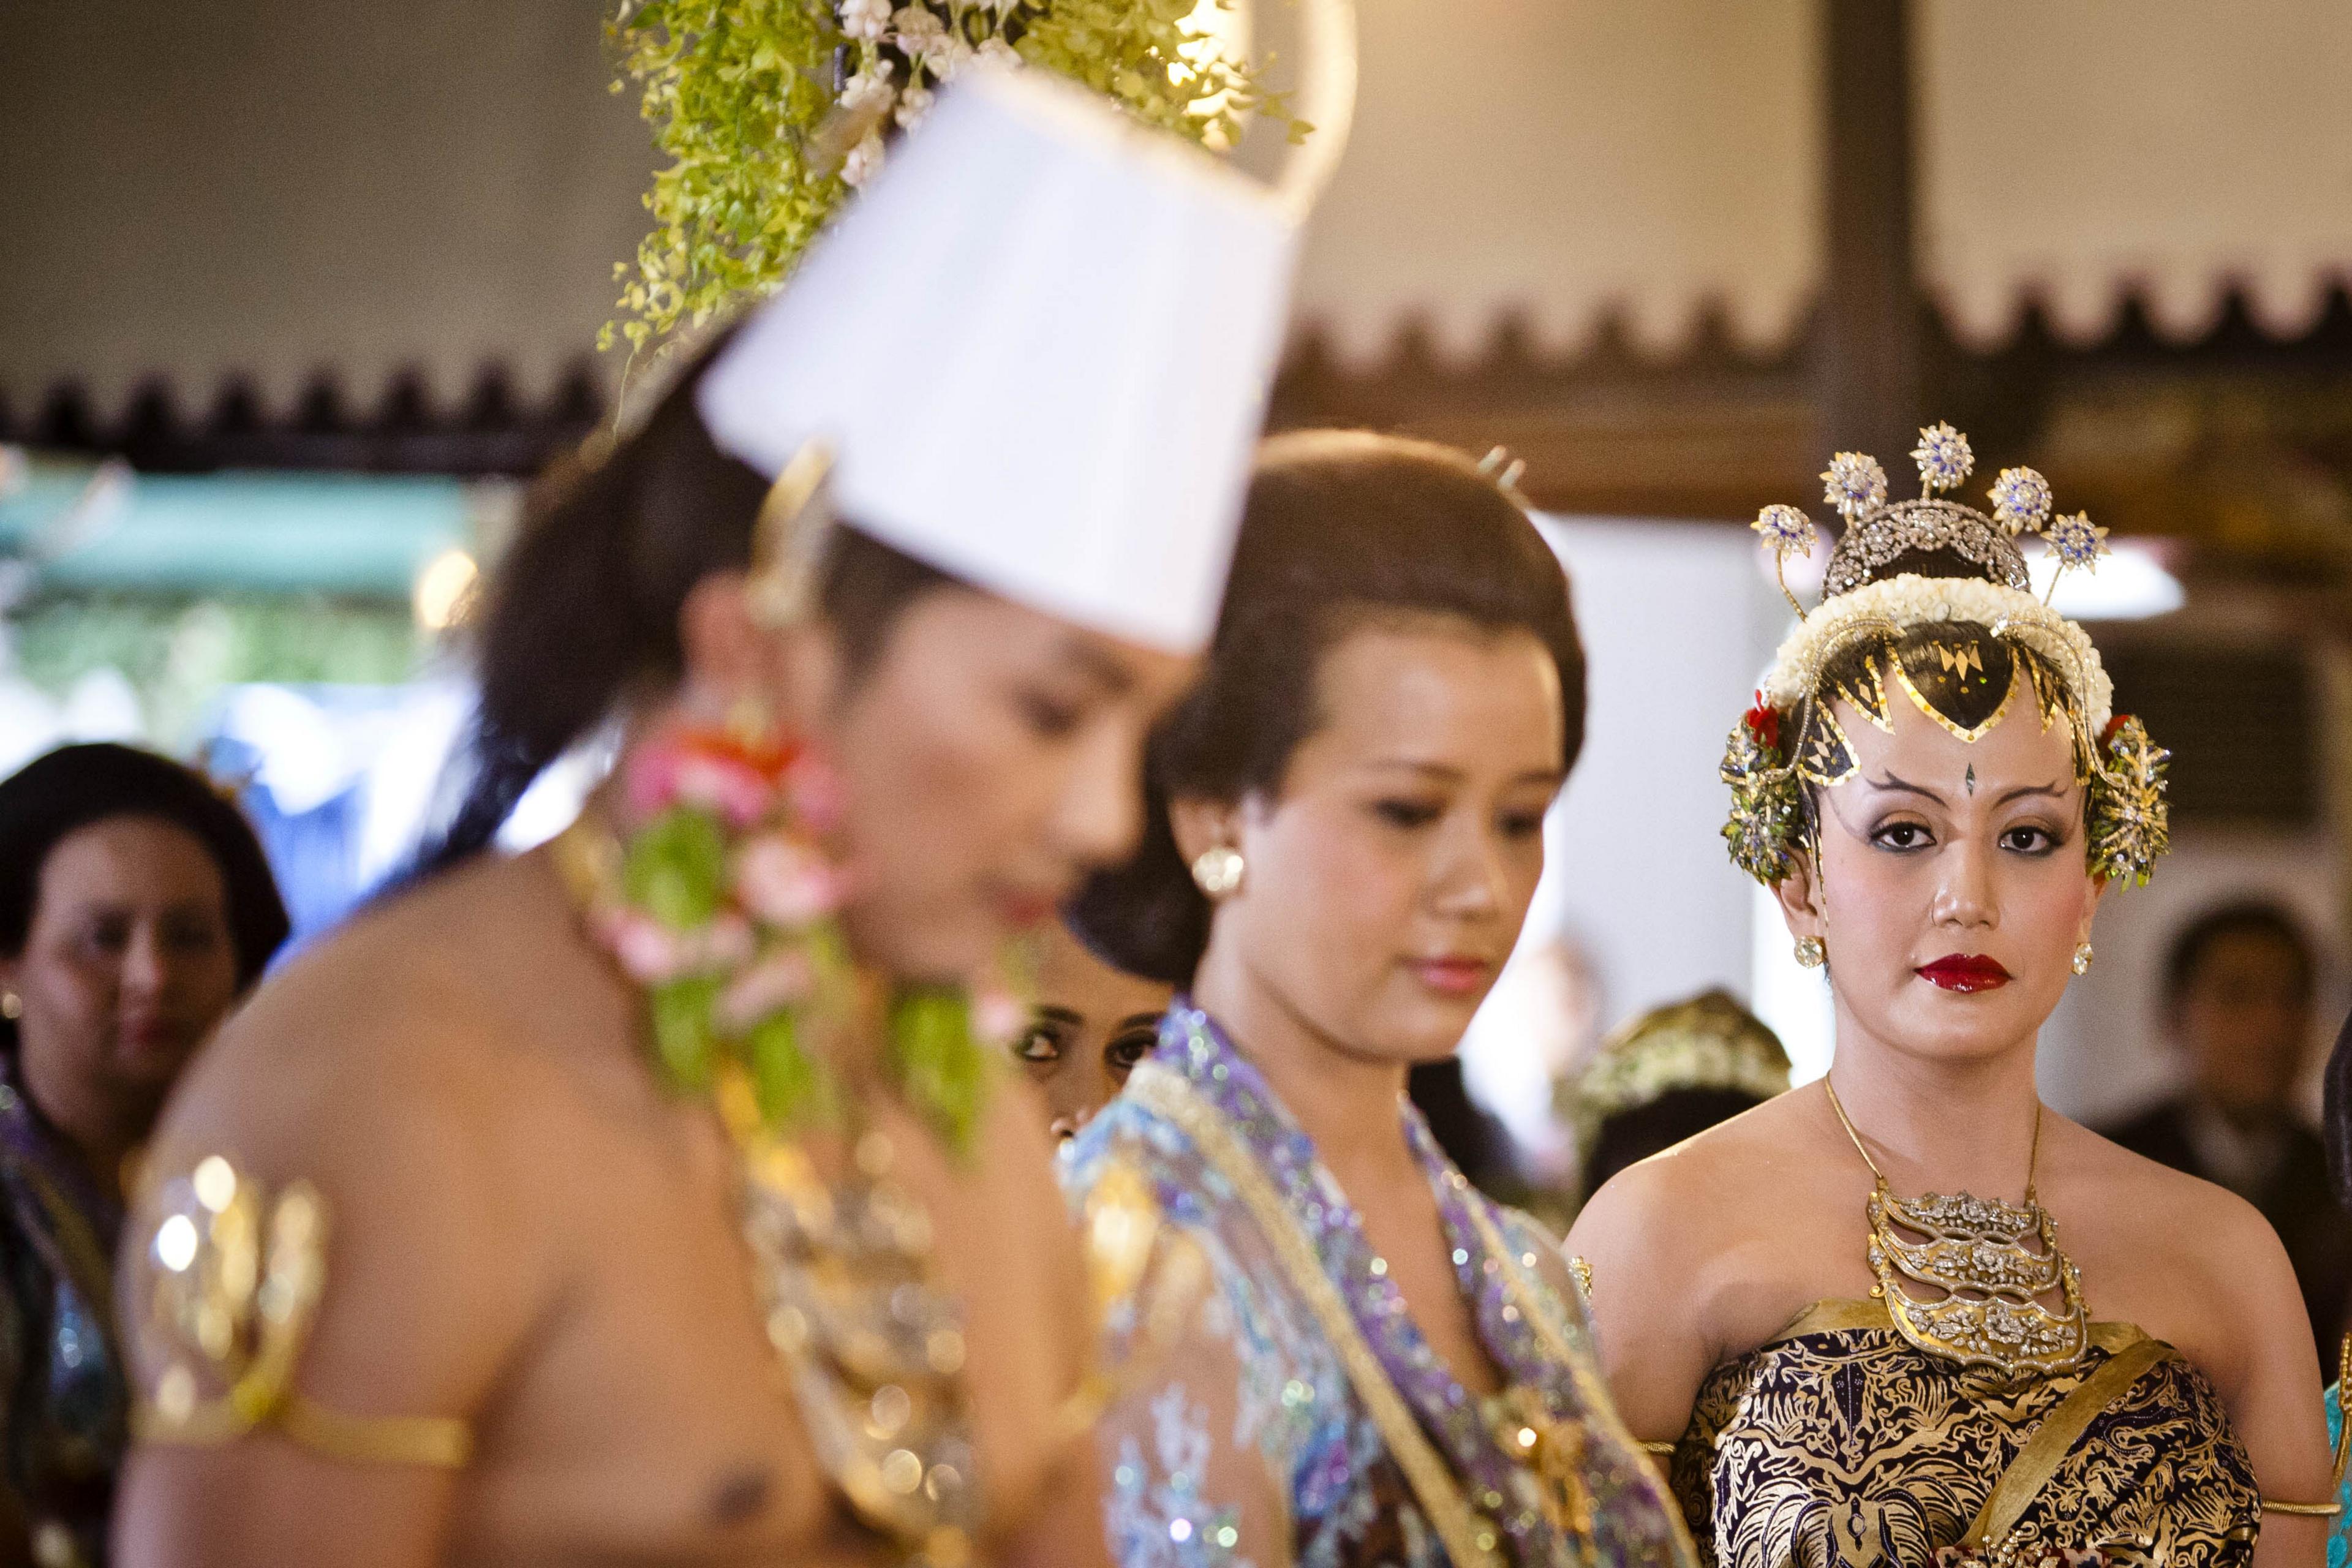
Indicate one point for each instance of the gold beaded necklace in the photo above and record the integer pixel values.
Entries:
(1974, 1251)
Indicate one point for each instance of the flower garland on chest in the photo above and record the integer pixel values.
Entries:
(711, 877)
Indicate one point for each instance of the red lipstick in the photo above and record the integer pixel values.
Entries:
(1965, 971)
(1452, 976)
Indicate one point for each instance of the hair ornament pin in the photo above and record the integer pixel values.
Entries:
(2021, 501)
(1786, 532)
(1943, 456)
(1854, 484)
(2076, 544)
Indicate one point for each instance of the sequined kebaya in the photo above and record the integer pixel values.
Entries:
(1289, 1409)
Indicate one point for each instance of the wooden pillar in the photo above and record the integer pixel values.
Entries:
(1870, 351)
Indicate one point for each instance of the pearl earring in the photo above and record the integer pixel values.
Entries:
(1217, 870)
(2083, 956)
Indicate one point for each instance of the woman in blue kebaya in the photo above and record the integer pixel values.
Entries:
(1329, 1348)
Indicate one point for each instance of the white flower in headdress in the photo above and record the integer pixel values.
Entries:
(869, 88)
(949, 55)
(1786, 530)
(913, 104)
(2021, 500)
(866, 20)
(920, 32)
(1943, 456)
(2076, 543)
(864, 160)
(1854, 484)
(999, 51)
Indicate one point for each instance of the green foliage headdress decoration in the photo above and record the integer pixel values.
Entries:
(771, 111)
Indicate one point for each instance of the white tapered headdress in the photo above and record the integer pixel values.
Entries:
(1037, 346)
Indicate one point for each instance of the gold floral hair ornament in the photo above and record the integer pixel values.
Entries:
(2130, 824)
(2004, 646)
(1707, 1041)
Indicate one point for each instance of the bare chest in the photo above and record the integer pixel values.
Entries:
(649, 1418)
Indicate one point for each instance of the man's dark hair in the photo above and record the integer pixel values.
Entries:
(2245, 916)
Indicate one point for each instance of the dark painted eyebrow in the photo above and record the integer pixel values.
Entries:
(1907, 787)
(1141, 1021)
(1058, 1013)
(2054, 791)
(1099, 665)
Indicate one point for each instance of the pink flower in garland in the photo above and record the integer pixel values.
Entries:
(813, 793)
(728, 785)
(648, 951)
(997, 1014)
(662, 775)
(738, 783)
(779, 981)
(788, 884)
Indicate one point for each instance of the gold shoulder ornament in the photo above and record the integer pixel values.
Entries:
(226, 1282)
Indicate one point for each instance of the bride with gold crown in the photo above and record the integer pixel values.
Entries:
(1910, 1315)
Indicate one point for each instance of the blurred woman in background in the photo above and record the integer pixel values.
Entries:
(1670, 1073)
(135, 909)
(1088, 1028)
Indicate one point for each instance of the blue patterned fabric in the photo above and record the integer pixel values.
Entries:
(1238, 1438)
(2339, 1532)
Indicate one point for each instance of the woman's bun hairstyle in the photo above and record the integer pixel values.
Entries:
(1342, 529)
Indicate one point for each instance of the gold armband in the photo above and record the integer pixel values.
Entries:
(228, 1283)
(2312, 1510)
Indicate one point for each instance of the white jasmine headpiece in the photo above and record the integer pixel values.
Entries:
(1037, 347)
(1963, 649)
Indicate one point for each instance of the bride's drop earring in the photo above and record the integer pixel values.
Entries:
(2083, 956)
(1811, 953)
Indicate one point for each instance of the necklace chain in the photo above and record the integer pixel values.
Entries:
(2033, 1160)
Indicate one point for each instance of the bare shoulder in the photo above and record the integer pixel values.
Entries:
(384, 1068)
(2186, 1260)
(2188, 1219)
(408, 1014)
(1705, 1193)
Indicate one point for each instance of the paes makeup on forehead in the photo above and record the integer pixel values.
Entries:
(1893, 784)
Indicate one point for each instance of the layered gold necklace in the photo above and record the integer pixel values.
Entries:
(1987, 1312)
